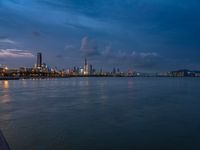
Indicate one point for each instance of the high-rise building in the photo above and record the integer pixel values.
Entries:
(114, 71)
(91, 70)
(85, 62)
(39, 60)
(86, 68)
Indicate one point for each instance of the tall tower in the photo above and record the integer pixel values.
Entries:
(39, 60)
(85, 68)
(85, 61)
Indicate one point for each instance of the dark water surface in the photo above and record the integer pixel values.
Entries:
(101, 114)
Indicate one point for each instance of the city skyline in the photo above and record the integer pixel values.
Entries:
(42, 70)
(99, 74)
(148, 36)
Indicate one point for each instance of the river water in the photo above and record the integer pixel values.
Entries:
(101, 114)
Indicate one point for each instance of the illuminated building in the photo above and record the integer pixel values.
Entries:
(39, 60)
(86, 68)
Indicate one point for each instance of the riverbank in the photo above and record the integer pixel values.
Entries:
(9, 78)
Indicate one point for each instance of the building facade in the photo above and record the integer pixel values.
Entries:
(39, 60)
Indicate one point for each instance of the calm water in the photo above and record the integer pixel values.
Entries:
(101, 114)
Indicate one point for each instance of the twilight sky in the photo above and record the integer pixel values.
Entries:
(144, 35)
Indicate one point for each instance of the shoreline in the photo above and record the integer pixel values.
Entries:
(41, 78)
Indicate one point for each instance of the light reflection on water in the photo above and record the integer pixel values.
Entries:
(5, 96)
(5, 84)
(5, 103)
(130, 84)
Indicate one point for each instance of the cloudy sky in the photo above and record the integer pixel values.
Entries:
(144, 35)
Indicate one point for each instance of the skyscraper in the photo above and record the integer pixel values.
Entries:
(90, 70)
(85, 62)
(39, 60)
(114, 71)
(86, 68)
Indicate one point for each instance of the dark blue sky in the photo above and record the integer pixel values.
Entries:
(145, 35)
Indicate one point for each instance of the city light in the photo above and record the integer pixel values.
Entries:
(42, 70)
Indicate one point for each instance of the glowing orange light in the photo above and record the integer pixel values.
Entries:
(6, 97)
(5, 84)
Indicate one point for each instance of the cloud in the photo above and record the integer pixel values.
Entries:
(6, 40)
(145, 54)
(36, 34)
(126, 58)
(145, 59)
(15, 53)
(59, 56)
(54, 14)
(166, 28)
(109, 51)
(115, 57)
(69, 46)
(89, 47)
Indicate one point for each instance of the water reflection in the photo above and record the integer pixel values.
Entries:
(84, 83)
(5, 84)
(24, 83)
(5, 101)
(130, 84)
(5, 96)
(102, 92)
